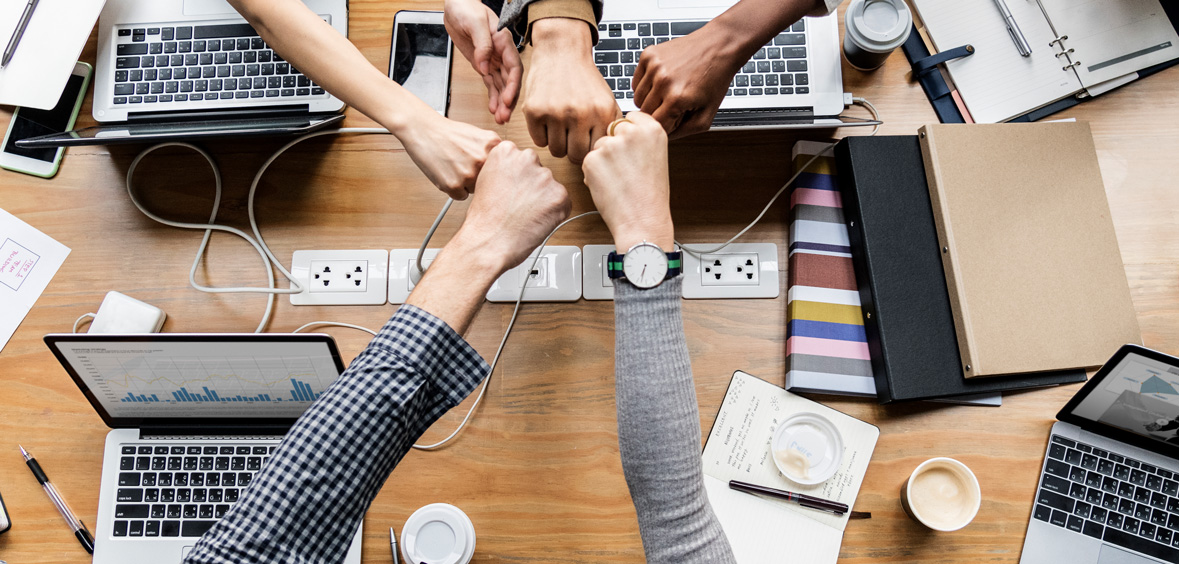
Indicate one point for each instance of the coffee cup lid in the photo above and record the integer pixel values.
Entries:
(438, 533)
(807, 448)
(879, 24)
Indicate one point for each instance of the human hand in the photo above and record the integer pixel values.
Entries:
(516, 204)
(567, 103)
(492, 53)
(449, 152)
(627, 177)
(680, 88)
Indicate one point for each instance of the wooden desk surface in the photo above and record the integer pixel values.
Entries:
(538, 467)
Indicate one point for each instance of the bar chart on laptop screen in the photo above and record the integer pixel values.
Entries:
(128, 380)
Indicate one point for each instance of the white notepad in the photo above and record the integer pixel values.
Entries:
(45, 57)
(1103, 41)
(738, 448)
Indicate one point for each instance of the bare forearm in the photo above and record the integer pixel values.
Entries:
(753, 23)
(329, 59)
(453, 287)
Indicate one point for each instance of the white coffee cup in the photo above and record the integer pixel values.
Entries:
(439, 533)
(942, 494)
(873, 29)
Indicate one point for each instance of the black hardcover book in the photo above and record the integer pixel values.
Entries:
(907, 315)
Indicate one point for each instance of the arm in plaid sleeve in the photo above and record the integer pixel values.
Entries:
(305, 505)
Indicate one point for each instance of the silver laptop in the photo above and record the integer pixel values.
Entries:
(184, 69)
(1109, 487)
(793, 81)
(194, 417)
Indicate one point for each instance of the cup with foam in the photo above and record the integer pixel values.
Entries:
(942, 494)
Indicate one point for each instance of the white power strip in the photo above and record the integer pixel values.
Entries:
(740, 270)
(346, 277)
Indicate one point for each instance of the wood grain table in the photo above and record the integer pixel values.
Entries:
(538, 468)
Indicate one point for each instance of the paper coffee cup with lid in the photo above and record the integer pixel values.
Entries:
(807, 448)
(873, 29)
(438, 533)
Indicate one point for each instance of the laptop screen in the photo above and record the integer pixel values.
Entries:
(208, 377)
(1136, 392)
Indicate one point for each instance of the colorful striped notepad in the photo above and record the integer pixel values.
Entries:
(826, 347)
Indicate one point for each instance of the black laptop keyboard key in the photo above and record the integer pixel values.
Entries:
(206, 512)
(228, 479)
(1076, 474)
(1114, 519)
(1141, 495)
(159, 511)
(1158, 501)
(1057, 468)
(1126, 506)
(1042, 512)
(220, 510)
(200, 495)
(127, 462)
(1064, 441)
(1138, 477)
(1082, 509)
(196, 479)
(151, 529)
(231, 495)
(1164, 536)
(1075, 523)
(1093, 496)
(244, 479)
(170, 529)
(129, 495)
(225, 30)
(128, 479)
(1147, 531)
(1134, 542)
(1055, 484)
(1092, 529)
(174, 511)
(127, 49)
(1077, 491)
(132, 511)
(195, 528)
(190, 512)
(120, 529)
(1094, 480)
(1133, 463)
(168, 495)
(149, 478)
(1142, 511)
(1158, 517)
(684, 28)
(1059, 518)
(1154, 482)
(1098, 514)
(1056, 501)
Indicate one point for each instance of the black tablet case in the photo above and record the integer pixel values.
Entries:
(903, 294)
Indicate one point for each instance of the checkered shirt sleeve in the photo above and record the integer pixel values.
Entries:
(307, 502)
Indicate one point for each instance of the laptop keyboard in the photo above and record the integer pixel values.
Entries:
(780, 67)
(196, 64)
(181, 491)
(1107, 496)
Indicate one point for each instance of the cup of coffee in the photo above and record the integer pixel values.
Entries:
(873, 29)
(438, 533)
(942, 494)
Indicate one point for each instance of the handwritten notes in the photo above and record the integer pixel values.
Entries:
(28, 261)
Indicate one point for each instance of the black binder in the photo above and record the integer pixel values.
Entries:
(903, 294)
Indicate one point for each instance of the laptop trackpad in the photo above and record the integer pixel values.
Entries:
(1114, 555)
(207, 7)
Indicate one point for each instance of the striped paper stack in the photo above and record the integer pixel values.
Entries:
(826, 349)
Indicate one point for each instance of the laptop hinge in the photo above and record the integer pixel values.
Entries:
(159, 432)
(219, 114)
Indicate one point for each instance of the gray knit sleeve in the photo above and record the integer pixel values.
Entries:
(659, 428)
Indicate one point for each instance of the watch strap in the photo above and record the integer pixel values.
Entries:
(675, 265)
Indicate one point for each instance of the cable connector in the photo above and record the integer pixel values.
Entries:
(848, 100)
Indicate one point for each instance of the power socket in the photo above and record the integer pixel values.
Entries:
(595, 282)
(345, 277)
(556, 277)
(401, 283)
(740, 270)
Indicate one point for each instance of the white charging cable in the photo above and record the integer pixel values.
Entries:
(697, 251)
(268, 259)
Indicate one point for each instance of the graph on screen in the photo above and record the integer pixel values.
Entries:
(217, 380)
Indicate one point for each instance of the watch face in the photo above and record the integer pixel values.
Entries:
(645, 265)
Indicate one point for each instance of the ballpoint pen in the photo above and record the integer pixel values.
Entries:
(804, 500)
(18, 33)
(75, 524)
(393, 545)
(1021, 42)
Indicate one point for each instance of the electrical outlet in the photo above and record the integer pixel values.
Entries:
(595, 282)
(401, 261)
(556, 277)
(345, 277)
(740, 270)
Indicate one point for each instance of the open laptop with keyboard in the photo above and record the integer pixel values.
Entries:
(793, 81)
(1109, 487)
(193, 418)
(184, 69)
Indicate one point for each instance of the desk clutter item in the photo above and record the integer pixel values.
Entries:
(1032, 265)
(1077, 51)
(759, 529)
(28, 261)
(908, 322)
(942, 494)
(438, 533)
(49, 47)
(873, 29)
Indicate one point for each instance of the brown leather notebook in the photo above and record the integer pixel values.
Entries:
(1031, 260)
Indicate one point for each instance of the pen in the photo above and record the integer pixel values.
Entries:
(18, 33)
(1013, 30)
(804, 500)
(393, 545)
(75, 524)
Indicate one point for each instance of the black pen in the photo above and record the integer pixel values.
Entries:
(810, 502)
(75, 524)
(20, 32)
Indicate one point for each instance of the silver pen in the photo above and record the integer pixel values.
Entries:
(1013, 30)
(393, 545)
(18, 33)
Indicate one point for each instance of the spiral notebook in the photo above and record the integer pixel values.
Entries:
(1080, 48)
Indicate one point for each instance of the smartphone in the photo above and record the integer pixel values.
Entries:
(421, 55)
(28, 122)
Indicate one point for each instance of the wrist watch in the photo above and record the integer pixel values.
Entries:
(645, 265)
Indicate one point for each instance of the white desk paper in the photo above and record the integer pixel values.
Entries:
(28, 261)
(43, 61)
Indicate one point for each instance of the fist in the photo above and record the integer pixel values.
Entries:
(627, 177)
(515, 205)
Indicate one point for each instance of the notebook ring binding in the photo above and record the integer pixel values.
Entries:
(1069, 66)
(1065, 52)
(1058, 40)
